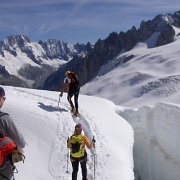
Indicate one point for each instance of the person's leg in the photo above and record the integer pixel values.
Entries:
(84, 169)
(76, 101)
(75, 166)
(70, 101)
(6, 171)
(83, 162)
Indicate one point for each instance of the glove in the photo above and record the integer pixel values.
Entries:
(61, 94)
(68, 143)
(93, 140)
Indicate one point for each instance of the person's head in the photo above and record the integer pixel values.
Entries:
(2, 96)
(67, 72)
(78, 129)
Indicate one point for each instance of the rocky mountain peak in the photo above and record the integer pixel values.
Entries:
(16, 41)
(106, 50)
(57, 49)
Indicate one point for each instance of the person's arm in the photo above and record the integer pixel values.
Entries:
(65, 86)
(69, 143)
(13, 132)
(86, 141)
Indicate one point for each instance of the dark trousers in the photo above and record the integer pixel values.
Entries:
(6, 170)
(75, 165)
(76, 95)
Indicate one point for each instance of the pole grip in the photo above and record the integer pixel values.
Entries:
(94, 143)
(59, 101)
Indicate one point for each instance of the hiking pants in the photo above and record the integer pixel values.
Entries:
(75, 100)
(75, 165)
(6, 171)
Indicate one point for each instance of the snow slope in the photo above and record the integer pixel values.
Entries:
(152, 74)
(46, 128)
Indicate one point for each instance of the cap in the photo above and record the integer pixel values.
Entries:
(78, 126)
(67, 72)
(2, 92)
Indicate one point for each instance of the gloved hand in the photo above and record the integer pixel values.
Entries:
(68, 143)
(93, 140)
(61, 94)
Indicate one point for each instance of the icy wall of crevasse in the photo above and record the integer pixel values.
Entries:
(157, 141)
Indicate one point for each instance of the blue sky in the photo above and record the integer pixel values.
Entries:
(77, 21)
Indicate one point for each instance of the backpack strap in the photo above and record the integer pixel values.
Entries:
(2, 114)
(73, 77)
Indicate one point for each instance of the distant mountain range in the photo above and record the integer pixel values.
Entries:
(42, 65)
(28, 64)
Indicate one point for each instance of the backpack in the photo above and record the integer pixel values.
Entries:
(77, 149)
(7, 146)
(74, 80)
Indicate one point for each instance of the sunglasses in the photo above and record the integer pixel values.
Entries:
(3, 97)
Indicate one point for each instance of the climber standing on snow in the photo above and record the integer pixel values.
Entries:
(77, 143)
(10, 139)
(71, 85)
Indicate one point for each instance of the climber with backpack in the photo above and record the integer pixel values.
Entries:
(71, 84)
(10, 140)
(77, 143)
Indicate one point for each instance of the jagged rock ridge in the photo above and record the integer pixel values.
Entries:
(106, 50)
(33, 62)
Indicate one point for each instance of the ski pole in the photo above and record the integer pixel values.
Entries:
(94, 142)
(67, 171)
(94, 167)
(59, 101)
(94, 158)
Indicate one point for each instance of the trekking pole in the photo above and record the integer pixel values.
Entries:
(94, 142)
(94, 159)
(67, 171)
(59, 101)
(94, 166)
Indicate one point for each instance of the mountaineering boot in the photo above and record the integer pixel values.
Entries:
(76, 113)
(73, 109)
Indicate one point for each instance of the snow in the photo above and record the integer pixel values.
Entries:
(122, 83)
(46, 127)
(136, 130)
(157, 143)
